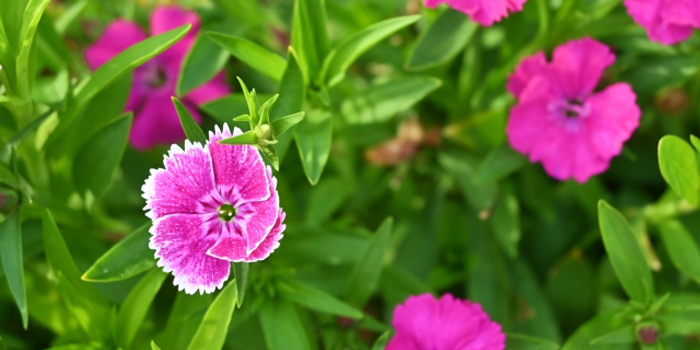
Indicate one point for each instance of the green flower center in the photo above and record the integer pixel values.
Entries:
(227, 212)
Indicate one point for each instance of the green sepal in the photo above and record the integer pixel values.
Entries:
(281, 125)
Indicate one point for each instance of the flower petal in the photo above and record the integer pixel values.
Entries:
(578, 65)
(530, 67)
(117, 37)
(667, 22)
(239, 170)
(165, 18)
(157, 122)
(185, 186)
(614, 117)
(211, 90)
(181, 243)
(255, 222)
(485, 12)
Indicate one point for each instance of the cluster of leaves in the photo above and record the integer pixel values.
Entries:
(549, 261)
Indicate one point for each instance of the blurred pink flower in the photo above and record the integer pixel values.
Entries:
(666, 21)
(559, 119)
(425, 323)
(485, 12)
(212, 204)
(155, 119)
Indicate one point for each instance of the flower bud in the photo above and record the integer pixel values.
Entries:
(648, 333)
(9, 199)
(672, 101)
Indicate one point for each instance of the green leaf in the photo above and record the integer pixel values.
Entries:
(13, 262)
(211, 333)
(121, 64)
(681, 248)
(340, 59)
(246, 138)
(382, 341)
(316, 299)
(126, 259)
(622, 335)
(364, 278)
(52, 49)
(250, 101)
(292, 93)
(525, 342)
(313, 137)
(625, 254)
(481, 196)
(98, 159)
(380, 102)
(505, 222)
(282, 326)
(601, 324)
(135, 306)
(252, 54)
(28, 129)
(270, 154)
(240, 271)
(30, 21)
(443, 41)
(204, 60)
(649, 76)
(154, 346)
(183, 321)
(227, 107)
(192, 130)
(91, 318)
(679, 167)
(285, 123)
(310, 36)
(499, 163)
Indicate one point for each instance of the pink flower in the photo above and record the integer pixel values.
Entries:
(666, 21)
(485, 12)
(212, 204)
(155, 119)
(425, 323)
(559, 119)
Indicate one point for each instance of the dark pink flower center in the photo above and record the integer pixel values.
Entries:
(574, 109)
(227, 212)
(155, 76)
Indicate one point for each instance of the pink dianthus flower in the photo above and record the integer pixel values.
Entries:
(485, 12)
(211, 205)
(425, 323)
(153, 84)
(666, 21)
(559, 119)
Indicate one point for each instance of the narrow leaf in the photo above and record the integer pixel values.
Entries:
(240, 271)
(525, 342)
(316, 299)
(13, 262)
(133, 310)
(282, 326)
(380, 102)
(202, 63)
(21, 134)
(625, 254)
(285, 123)
(313, 137)
(682, 248)
(310, 36)
(443, 40)
(154, 346)
(382, 341)
(98, 159)
(192, 130)
(126, 259)
(364, 278)
(211, 333)
(348, 51)
(252, 54)
(679, 167)
(292, 93)
(246, 138)
(498, 164)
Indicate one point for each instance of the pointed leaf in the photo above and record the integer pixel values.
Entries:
(681, 248)
(382, 341)
(313, 137)
(240, 271)
(252, 54)
(246, 138)
(204, 60)
(250, 101)
(364, 278)
(380, 102)
(29, 128)
(270, 154)
(525, 342)
(90, 316)
(282, 326)
(292, 93)
(192, 130)
(316, 299)
(183, 321)
(442, 41)
(310, 35)
(211, 333)
(98, 159)
(12, 261)
(498, 164)
(285, 123)
(348, 51)
(135, 306)
(242, 118)
(154, 346)
(625, 254)
(128, 258)
(679, 167)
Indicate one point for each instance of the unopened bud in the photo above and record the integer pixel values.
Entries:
(9, 198)
(673, 101)
(648, 334)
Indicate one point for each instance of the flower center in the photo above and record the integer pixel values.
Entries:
(574, 108)
(157, 77)
(227, 212)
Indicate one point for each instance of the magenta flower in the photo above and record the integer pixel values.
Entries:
(666, 21)
(559, 119)
(155, 119)
(425, 323)
(485, 12)
(212, 204)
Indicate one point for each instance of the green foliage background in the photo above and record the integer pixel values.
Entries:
(553, 262)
